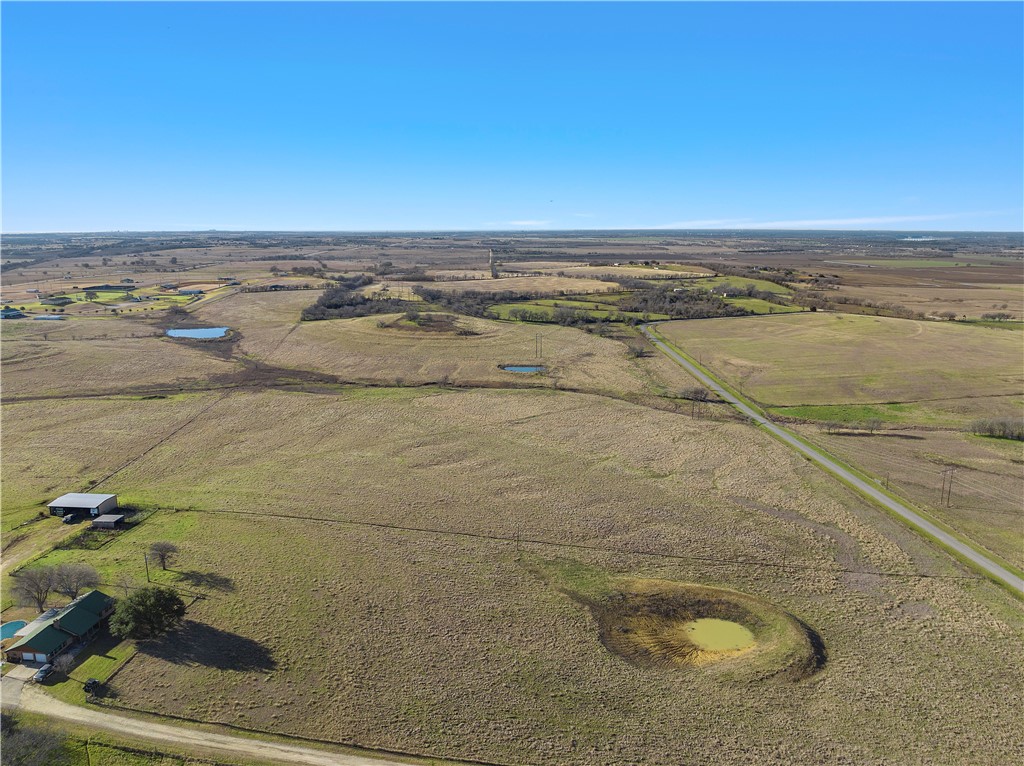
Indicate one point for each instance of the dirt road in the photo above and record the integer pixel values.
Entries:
(36, 701)
(945, 539)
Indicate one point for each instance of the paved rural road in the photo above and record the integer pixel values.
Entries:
(36, 701)
(981, 561)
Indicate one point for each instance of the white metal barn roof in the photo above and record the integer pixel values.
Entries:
(80, 500)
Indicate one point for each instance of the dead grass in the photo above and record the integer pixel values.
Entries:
(827, 359)
(450, 644)
(361, 350)
(985, 504)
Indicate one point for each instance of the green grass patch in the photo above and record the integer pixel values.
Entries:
(98, 660)
(758, 306)
(708, 283)
(851, 413)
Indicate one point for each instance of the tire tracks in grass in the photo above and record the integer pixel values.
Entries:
(160, 441)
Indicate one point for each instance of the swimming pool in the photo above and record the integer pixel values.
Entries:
(8, 629)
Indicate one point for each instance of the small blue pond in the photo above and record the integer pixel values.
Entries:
(521, 368)
(8, 629)
(199, 332)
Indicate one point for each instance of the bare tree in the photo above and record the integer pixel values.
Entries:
(33, 586)
(63, 664)
(873, 424)
(696, 394)
(72, 579)
(164, 552)
(126, 581)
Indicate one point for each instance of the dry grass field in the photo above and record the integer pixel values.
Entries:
(827, 360)
(448, 642)
(93, 356)
(360, 350)
(545, 284)
(987, 500)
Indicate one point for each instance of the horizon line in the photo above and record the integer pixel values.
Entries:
(505, 231)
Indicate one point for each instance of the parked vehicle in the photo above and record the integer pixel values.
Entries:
(69, 518)
(42, 673)
(92, 686)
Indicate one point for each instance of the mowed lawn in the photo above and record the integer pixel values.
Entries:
(404, 616)
(832, 359)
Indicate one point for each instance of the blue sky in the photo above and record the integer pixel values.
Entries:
(425, 116)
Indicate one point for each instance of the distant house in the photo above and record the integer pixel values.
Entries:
(108, 521)
(190, 291)
(168, 286)
(78, 621)
(11, 314)
(77, 502)
(59, 300)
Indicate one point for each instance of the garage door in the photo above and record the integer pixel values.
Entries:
(35, 657)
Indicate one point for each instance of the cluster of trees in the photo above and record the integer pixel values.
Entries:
(680, 303)
(34, 585)
(815, 300)
(870, 425)
(471, 303)
(998, 316)
(1001, 428)
(343, 302)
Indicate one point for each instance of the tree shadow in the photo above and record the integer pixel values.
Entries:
(913, 437)
(195, 643)
(210, 580)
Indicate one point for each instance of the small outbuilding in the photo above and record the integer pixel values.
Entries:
(190, 291)
(8, 313)
(108, 521)
(78, 502)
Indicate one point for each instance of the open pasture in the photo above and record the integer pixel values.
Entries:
(988, 482)
(833, 359)
(93, 356)
(397, 637)
(542, 285)
(360, 350)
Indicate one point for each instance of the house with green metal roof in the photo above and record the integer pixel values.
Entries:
(78, 621)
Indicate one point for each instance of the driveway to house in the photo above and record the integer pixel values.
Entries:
(35, 700)
(980, 560)
(12, 684)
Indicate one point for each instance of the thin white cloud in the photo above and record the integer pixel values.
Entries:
(813, 223)
(518, 223)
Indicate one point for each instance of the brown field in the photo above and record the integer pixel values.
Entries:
(410, 632)
(986, 502)
(443, 569)
(971, 300)
(360, 350)
(548, 284)
(830, 359)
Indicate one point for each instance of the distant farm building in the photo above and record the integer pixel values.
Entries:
(78, 502)
(45, 639)
(168, 286)
(59, 300)
(190, 291)
(11, 314)
(108, 521)
(127, 281)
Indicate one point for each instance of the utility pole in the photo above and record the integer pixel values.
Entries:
(947, 485)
